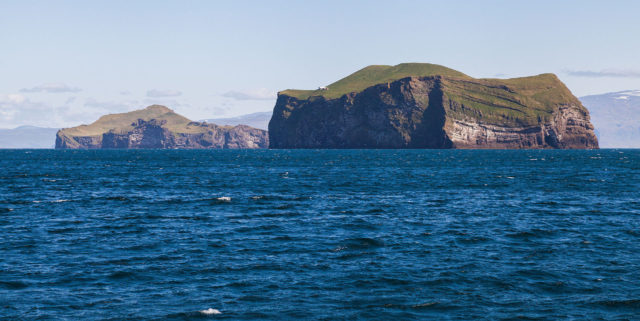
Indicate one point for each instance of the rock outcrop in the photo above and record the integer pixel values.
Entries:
(158, 127)
(388, 107)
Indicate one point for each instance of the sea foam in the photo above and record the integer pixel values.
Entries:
(211, 311)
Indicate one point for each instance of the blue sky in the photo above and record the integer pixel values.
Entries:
(64, 63)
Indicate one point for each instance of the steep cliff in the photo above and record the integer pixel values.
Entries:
(158, 127)
(430, 106)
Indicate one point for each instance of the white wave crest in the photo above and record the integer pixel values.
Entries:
(211, 311)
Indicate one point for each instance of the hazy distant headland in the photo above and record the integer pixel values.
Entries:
(257, 120)
(616, 117)
(28, 137)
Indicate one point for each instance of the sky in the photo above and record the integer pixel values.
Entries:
(66, 63)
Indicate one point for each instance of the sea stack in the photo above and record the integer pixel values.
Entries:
(419, 105)
(158, 127)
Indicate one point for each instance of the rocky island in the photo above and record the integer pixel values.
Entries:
(158, 127)
(419, 105)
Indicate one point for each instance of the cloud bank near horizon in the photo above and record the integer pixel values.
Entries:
(252, 94)
(156, 93)
(52, 88)
(19, 110)
(613, 73)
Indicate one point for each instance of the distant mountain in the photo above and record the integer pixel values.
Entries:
(616, 117)
(28, 137)
(257, 120)
(158, 127)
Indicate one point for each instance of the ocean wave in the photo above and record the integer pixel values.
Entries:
(359, 244)
(53, 201)
(422, 235)
(13, 285)
(621, 303)
(210, 311)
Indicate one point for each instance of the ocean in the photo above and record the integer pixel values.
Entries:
(319, 234)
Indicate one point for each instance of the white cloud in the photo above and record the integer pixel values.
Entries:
(163, 93)
(15, 98)
(612, 73)
(252, 94)
(51, 88)
(99, 107)
(631, 92)
(221, 110)
(17, 110)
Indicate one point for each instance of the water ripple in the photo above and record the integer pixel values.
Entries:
(319, 234)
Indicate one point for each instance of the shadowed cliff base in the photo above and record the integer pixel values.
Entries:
(436, 108)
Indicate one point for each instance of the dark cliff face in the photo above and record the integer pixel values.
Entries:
(437, 112)
(154, 134)
(380, 117)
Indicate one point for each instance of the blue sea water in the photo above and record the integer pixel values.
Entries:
(320, 234)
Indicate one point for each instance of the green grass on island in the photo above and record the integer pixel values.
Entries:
(517, 101)
(373, 75)
(122, 123)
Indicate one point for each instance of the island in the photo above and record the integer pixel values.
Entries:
(419, 105)
(158, 127)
